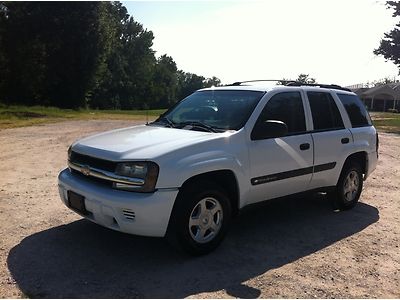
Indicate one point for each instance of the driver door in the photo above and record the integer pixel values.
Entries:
(284, 165)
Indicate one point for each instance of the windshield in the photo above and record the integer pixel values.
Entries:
(212, 110)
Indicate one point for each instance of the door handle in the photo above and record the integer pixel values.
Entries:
(305, 146)
(345, 140)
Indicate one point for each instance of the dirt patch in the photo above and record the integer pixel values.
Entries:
(297, 248)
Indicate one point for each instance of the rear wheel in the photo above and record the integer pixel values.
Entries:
(200, 218)
(349, 186)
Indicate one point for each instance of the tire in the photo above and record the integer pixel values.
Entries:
(349, 186)
(200, 218)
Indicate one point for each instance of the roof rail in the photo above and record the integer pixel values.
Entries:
(288, 82)
(327, 86)
(247, 81)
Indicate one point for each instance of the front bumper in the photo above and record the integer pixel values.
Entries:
(135, 213)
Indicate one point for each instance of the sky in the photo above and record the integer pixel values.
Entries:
(331, 40)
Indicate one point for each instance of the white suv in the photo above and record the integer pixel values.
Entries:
(188, 173)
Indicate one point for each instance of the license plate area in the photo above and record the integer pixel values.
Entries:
(77, 202)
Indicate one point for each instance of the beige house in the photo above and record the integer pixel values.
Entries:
(381, 98)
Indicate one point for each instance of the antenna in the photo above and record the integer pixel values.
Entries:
(146, 107)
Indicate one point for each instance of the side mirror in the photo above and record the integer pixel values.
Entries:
(269, 129)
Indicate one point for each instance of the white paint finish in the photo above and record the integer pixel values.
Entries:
(278, 155)
(372, 162)
(140, 142)
(307, 111)
(329, 148)
(182, 154)
(225, 153)
(152, 211)
(364, 138)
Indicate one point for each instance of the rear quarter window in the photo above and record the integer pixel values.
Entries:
(356, 111)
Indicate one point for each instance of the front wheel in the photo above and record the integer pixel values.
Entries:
(200, 218)
(349, 186)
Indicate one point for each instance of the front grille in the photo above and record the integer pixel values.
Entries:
(92, 179)
(93, 162)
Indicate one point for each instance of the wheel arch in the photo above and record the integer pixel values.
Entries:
(340, 199)
(361, 158)
(226, 179)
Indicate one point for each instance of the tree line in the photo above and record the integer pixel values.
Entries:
(85, 54)
(389, 46)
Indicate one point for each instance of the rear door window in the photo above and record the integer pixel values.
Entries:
(325, 114)
(357, 112)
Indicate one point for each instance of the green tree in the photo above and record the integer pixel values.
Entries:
(389, 46)
(55, 51)
(283, 81)
(112, 87)
(304, 78)
(213, 81)
(3, 63)
(140, 64)
(164, 83)
(23, 67)
(384, 81)
(77, 54)
(130, 66)
(188, 83)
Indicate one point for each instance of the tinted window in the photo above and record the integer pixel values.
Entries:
(324, 111)
(358, 115)
(288, 108)
(222, 109)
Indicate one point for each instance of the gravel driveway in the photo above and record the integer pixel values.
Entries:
(296, 248)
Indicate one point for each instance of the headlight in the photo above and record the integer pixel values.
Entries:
(132, 169)
(69, 152)
(147, 171)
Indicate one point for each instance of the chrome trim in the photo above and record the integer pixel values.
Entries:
(89, 171)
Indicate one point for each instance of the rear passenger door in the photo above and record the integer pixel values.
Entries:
(331, 139)
(284, 165)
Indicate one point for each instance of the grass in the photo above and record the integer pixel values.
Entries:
(386, 122)
(18, 116)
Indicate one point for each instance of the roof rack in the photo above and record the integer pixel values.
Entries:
(327, 86)
(247, 81)
(287, 82)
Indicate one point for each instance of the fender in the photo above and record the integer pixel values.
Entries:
(186, 163)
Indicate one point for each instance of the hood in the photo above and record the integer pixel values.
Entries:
(140, 142)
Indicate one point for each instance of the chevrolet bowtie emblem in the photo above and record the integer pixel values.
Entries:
(85, 170)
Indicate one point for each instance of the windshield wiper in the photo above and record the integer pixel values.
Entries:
(165, 120)
(199, 125)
